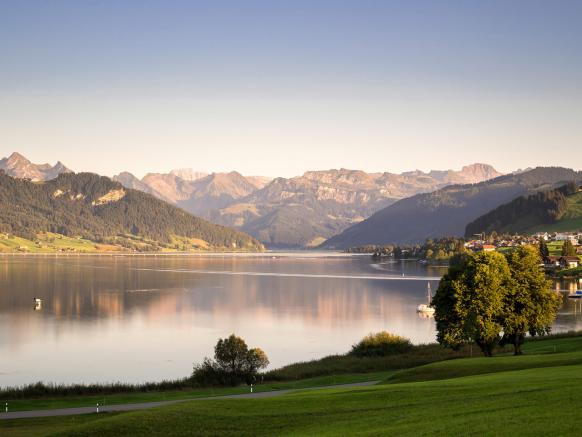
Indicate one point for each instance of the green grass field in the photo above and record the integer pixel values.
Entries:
(534, 394)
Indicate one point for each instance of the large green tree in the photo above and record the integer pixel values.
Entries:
(486, 294)
(530, 305)
(469, 302)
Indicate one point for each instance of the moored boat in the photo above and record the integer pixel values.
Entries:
(426, 308)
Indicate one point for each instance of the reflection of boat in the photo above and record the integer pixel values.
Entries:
(426, 308)
(576, 295)
(37, 303)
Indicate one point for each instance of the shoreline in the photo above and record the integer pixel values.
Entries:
(269, 254)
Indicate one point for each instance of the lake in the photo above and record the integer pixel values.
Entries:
(148, 318)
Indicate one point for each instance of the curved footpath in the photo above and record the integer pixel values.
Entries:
(145, 405)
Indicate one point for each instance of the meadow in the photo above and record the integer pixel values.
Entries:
(536, 393)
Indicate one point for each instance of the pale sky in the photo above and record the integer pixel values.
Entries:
(278, 88)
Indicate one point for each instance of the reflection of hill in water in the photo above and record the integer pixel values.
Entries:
(104, 320)
(86, 292)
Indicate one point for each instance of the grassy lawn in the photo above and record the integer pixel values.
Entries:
(536, 393)
(525, 402)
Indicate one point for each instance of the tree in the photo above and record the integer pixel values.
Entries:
(530, 306)
(233, 363)
(231, 354)
(543, 249)
(568, 249)
(256, 360)
(469, 301)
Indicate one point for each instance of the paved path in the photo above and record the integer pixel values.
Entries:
(145, 405)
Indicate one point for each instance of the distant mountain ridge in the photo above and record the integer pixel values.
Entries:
(98, 209)
(447, 211)
(300, 211)
(297, 212)
(18, 166)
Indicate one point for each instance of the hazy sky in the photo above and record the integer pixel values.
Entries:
(280, 87)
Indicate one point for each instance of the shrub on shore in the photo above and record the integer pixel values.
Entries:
(381, 344)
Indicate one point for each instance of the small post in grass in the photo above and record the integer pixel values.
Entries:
(6, 407)
(251, 388)
(97, 407)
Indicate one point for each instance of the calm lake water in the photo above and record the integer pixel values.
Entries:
(135, 319)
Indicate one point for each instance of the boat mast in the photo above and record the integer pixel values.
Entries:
(428, 292)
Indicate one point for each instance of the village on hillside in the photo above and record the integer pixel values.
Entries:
(555, 241)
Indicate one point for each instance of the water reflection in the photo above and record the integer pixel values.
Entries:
(119, 318)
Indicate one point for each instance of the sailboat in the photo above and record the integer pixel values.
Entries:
(426, 308)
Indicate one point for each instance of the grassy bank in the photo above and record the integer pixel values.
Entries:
(339, 368)
(340, 364)
(424, 363)
(51, 402)
(533, 394)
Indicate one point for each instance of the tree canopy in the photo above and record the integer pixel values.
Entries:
(530, 305)
(233, 363)
(486, 294)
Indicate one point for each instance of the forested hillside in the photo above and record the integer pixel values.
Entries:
(528, 212)
(101, 210)
(446, 212)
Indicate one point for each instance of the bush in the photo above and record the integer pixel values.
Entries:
(381, 344)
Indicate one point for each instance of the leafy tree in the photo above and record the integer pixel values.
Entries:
(568, 249)
(543, 249)
(256, 360)
(469, 301)
(233, 363)
(231, 354)
(530, 306)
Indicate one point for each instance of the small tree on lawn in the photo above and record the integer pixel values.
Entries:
(233, 363)
(530, 305)
(231, 354)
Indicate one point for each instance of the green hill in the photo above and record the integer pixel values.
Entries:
(86, 208)
(446, 212)
(555, 210)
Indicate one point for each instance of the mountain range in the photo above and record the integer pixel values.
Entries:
(296, 212)
(447, 211)
(18, 166)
